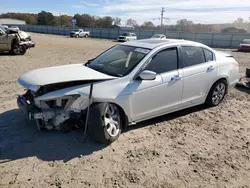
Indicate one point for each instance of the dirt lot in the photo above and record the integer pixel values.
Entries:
(198, 147)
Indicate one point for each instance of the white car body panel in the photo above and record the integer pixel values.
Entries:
(197, 82)
(139, 99)
(58, 74)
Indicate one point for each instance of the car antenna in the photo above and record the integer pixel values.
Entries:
(87, 116)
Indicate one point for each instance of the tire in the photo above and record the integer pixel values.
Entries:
(217, 93)
(105, 122)
(18, 49)
(86, 36)
(77, 36)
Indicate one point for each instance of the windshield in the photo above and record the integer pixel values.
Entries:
(5, 30)
(156, 36)
(75, 30)
(119, 60)
(125, 34)
(246, 42)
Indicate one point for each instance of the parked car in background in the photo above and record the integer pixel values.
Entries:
(245, 45)
(16, 42)
(79, 33)
(5, 26)
(127, 37)
(158, 36)
(14, 28)
(132, 82)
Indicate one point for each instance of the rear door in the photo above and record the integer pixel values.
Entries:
(199, 71)
(81, 33)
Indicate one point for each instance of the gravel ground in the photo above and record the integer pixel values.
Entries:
(197, 147)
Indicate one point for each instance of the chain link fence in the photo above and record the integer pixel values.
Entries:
(223, 40)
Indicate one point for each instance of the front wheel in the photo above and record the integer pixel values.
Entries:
(18, 49)
(77, 36)
(86, 36)
(217, 93)
(105, 122)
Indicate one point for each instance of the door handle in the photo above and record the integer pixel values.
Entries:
(210, 68)
(176, 78)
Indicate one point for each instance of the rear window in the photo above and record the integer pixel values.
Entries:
(125, 34)
(209, 55)
(192, 55)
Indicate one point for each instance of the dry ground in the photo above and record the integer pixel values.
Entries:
(198, 147)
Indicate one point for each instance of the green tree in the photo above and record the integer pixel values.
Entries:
(45, 18)
(65, 20)
(148, 24)
(104, 22)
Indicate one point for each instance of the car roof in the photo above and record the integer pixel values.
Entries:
(159, 34)
(153, 43)
(246, 40)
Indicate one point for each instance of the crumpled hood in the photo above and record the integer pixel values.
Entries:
(33, 80)
(23, 34)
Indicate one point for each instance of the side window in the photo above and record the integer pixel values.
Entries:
(208, 55)
(164, 61)
(192, 55)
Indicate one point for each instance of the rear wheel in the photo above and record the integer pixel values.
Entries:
(77, 36)
(18, 49)
(217, 93)
(86, 36)
(105, 122)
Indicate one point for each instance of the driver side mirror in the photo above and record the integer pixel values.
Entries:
(147, 75)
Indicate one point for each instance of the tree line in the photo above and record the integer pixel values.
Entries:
(86, 20)
(47, 18)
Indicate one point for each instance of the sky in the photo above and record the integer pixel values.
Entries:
(199, 11)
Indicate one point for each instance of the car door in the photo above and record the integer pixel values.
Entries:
(199, 73)
(3, 41)
(152, 98)
(80, 32)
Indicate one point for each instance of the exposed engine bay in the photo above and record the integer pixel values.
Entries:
(54, 113)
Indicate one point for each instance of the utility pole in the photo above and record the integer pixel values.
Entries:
(162, 12)
(162, 17)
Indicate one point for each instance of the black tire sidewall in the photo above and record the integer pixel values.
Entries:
(13, 52)
(209, 100)
(97, 126)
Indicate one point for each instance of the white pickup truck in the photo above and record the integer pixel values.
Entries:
(79, 33)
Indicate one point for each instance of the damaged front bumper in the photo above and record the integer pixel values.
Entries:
(28, 44)
(50, 118)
